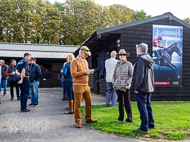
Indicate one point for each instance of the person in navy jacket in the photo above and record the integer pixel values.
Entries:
(69, 81)
(35, 74)
(64, 85)
(3, 76)
(23, 71)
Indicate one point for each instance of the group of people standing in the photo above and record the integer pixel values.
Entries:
(24, 75)
(121, 76)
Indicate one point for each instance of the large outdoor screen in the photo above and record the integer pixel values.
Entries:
(167, 47)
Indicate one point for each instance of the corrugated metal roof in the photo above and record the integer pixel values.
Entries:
(36, 50)
(38, 47)
(20, 54)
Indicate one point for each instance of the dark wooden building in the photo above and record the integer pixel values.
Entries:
(49, 57)
(126, 36)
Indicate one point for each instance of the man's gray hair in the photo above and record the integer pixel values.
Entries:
(143, 47)
(113, 54)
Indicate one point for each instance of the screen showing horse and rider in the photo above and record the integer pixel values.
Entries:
(167, 54)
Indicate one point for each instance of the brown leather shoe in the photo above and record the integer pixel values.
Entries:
(78, 125)
(92, 121)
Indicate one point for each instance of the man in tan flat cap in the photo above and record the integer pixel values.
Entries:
(80, 73)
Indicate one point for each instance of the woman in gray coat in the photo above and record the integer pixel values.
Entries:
(122, 78)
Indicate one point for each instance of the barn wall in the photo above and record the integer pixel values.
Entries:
(51, 78)
(143, 33)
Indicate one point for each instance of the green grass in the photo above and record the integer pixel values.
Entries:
(172, 120)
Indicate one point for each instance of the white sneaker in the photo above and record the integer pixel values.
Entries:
(36, 105)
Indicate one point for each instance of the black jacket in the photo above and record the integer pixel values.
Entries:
(3, 71)
(143, 76)
(35, 73)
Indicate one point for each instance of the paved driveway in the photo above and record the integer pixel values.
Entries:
(47, 122)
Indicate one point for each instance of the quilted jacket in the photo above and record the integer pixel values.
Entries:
(122, 74)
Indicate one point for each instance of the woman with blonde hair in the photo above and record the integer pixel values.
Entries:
(69, 81)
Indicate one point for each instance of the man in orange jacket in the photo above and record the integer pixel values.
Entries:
(80, 72)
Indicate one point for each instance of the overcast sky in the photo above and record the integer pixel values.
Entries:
(180, 8)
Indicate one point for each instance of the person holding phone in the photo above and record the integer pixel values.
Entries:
(80, 73)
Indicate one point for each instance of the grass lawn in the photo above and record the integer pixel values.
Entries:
(172, 120)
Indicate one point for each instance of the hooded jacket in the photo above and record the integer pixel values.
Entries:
(143, 76)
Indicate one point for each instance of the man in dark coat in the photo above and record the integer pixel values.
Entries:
(3, 77)
(23, 71)
(35, 74)
(143, 86)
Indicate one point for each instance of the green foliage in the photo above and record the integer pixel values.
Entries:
(59, 6)
(172, 120)
(187, 20)
(72, 22)
(138, 15)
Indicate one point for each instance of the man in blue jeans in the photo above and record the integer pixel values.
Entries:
(23, 71)
(3, 77)
(143, 86)
(110, 67)
(35, 74)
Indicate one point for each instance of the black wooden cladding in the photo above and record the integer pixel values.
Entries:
(143, 33)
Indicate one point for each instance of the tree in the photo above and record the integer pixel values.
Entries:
(47, 24)
(26, 9)
(138, 15)
(187, 20)
(81, 19)
(59, 6)
(6, 19)
(125, 12)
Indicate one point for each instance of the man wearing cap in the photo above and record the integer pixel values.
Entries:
(35, 74)
(111, 92)
(80, 73)
(23, 71)
(143, 86)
